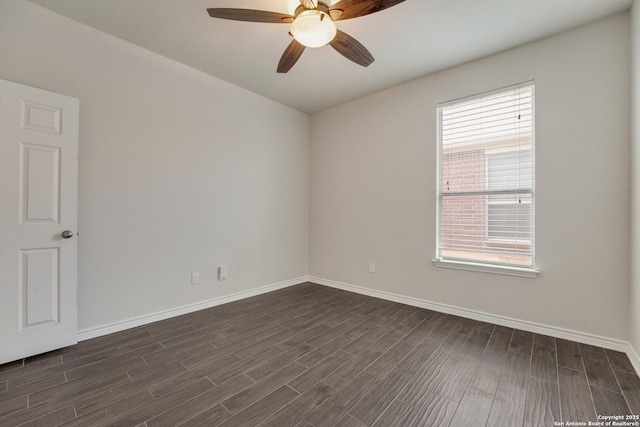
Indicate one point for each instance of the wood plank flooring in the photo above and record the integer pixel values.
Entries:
(310, 355)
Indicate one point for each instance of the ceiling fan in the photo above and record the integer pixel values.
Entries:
(312, 25)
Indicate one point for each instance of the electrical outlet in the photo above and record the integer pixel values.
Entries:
(241, 269)
(372, 267)
(195, 278)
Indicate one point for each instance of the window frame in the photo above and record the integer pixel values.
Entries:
(528, 271)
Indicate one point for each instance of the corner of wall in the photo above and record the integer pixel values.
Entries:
(634, 289)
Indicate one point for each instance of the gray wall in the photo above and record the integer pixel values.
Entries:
(179, 171)
(634, 311)
(373, 185)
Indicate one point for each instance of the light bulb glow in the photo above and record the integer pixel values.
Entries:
(313, 28)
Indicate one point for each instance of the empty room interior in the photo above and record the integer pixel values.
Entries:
(432, 219)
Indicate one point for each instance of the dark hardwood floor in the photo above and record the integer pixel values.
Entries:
(316, 356)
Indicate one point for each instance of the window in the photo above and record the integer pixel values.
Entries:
(509, 218)
(486, 181)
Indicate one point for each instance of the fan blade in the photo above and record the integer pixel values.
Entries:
(351, 49)
(290, 56)
(355, 8)
(250, 15)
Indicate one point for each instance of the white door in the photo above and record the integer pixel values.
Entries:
(38, 221)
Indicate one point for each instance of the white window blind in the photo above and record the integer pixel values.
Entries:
(486, 178)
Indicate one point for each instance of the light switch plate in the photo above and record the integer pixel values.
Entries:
(223, 272)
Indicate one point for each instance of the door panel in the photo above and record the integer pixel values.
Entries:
(45, 118)
(40, 287)
(38, 189)
(39, 183)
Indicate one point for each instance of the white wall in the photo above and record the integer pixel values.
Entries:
(179, 171)
(373, 190)
(635, 181)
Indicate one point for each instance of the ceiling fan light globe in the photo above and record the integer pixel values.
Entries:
(313, 28)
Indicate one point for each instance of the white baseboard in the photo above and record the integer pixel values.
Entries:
(609, 343)
(633, 357)
(598, 341)
(166, 314)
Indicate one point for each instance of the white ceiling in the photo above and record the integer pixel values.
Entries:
(409, 40)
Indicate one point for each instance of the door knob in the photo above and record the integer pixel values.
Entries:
(67, 234)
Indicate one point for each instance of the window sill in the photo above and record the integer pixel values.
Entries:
(530, 273)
